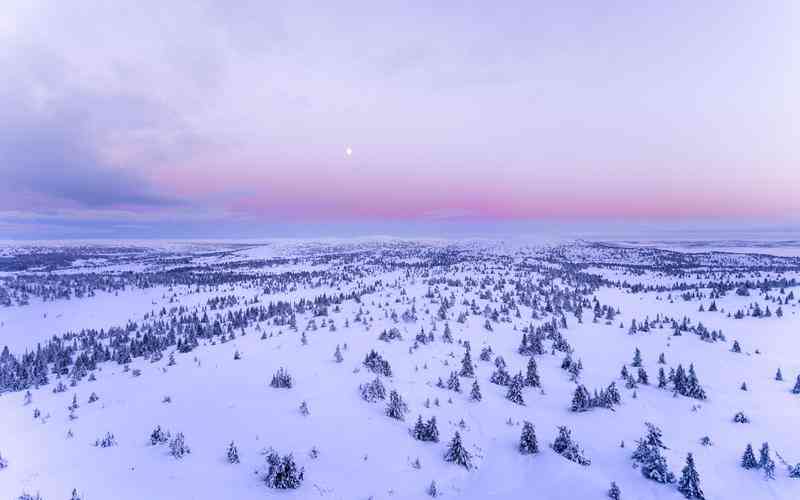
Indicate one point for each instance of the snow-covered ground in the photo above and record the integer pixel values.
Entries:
(289, 304)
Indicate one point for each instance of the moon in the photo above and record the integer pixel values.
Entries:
(348, 151)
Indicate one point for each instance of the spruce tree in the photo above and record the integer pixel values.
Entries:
(514, 393)
(475, 394)
(457, 454)
(396, 408)
(796, 388)
(637, 358)
(580, 399)
(232, 454)
(749, 458)
(763, 455)
(467, 370)
(689, 483)
(527, 441)
(532, 375)
(614, 492)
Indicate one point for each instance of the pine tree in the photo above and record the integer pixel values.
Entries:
(475, 394)
(580, 399)
(433, 490)
(396, 408)
(532, 375)
(467, 370)
(564, 446)
(763, 455)
(282, 472)
(613, 492)
(642, 377)
(75, 495)
(233, 454)
(453, 383)
(749, 458)
(662, 378)
(689, 484)
(527, 441)
(637, 358)
(648, 455)
(514, 393)
(796, 388)
(431, 430)
(779, 375)
(337, 354)
(177, 447)
(457, 454)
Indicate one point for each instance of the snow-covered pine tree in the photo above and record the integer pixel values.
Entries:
(281, 379)
(514, 393)
(177, 447)
(433, 490)
(282, 472)
(532, 374)
(564, 446)
(527, 441)
(749, 458)
(796, 388)
(232, 454)
(662, 378)
(475, 393)
(648, 455)
(467, 369)
(763, 455)
(642, 377)
(614, 492)
(456, 453)
(689, 483)
(637, 358)
(337, 354)
(396, 408)
(453, 382)
(581, 401)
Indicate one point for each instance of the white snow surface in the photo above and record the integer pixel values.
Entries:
(362, 452)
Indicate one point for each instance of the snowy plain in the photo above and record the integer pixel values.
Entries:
(491, 296)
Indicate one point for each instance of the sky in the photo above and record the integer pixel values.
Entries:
(233, 118)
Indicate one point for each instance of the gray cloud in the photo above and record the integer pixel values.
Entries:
(51, 137)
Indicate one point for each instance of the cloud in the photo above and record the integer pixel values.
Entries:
(54, 137)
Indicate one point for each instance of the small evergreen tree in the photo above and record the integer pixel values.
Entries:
(467, 370)
(457, 454)
(232, 454)
(282, 472)
(532, 374)
(637, 358)
(514, 393)
(796, 388)
(337, 354)
(527, 441)
(564, 446)
(177, 447)
(475, 393)
(396, 408)
(749, 458)
(689, 483)
(614, 492)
